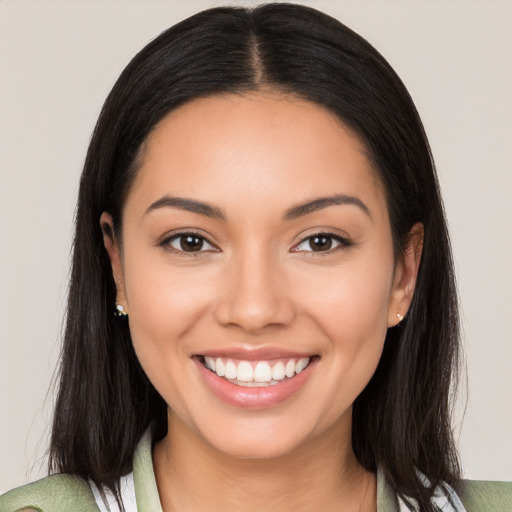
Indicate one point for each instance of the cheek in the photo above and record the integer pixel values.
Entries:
(162, 296)
(353, 297)
(164, 304)
(356, 325)
(165, 307)
(349, 306)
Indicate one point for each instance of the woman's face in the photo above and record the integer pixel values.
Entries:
(256, 240)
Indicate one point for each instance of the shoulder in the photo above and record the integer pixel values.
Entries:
(485, 496)
(56, 493)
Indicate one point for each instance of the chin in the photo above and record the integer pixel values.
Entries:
(263, 436)
(259, 446)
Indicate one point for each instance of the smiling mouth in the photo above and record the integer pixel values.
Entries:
(255, 373)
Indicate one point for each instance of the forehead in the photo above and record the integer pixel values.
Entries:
(251, 149)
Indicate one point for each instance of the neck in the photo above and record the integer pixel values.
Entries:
(322, 474)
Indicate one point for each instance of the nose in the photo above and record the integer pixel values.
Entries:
(255, 295)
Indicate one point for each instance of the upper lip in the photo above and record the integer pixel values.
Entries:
(254, 353)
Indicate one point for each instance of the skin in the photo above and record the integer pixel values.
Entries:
(259, 284)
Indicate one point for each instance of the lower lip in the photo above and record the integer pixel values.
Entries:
(253, 398)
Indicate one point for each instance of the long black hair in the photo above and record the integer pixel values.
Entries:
(401, 421)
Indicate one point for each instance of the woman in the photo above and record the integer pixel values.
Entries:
(259, 208)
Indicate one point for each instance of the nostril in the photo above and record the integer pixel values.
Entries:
(254, 315)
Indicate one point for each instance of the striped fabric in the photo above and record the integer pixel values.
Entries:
(444, 498)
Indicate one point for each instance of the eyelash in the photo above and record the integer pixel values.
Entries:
(166, 244)
(344, 243)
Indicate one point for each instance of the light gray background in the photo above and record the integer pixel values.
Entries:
(58, 60)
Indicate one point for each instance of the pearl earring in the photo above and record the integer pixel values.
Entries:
(400, 318)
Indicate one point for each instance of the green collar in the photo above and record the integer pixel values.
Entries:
(148, 500)
(63, 492)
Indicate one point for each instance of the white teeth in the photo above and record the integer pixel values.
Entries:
(246, 373)
(290, 368)
(301, 364)
(278, 371)
(262, 372)
(219, 367)
(210, 363)
(230, 370)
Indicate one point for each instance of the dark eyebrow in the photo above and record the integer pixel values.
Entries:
(190, 205)
(323, 202)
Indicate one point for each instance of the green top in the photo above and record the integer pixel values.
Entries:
(67, 493)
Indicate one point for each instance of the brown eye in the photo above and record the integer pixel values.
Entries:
(189, 242)
(322, 242)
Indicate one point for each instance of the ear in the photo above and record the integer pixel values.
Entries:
(114, 253)
(406, 273)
